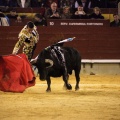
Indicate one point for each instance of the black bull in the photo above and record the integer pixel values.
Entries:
(48, 66)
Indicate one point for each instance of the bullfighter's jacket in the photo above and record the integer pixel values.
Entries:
(27, 40)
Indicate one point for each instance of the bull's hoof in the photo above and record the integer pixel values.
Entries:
(69, 87)
(77, 88)
(48, 90)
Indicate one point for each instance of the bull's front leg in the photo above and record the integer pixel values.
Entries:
(66, 77)
(48, 83)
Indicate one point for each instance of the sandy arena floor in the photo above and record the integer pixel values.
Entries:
(97, 99)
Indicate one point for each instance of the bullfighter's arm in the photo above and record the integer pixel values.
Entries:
(35, 34)
(19, 44)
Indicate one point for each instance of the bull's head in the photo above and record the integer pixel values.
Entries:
(44, 68)
(44, 63)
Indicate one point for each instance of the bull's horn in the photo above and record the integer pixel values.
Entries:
(50, 62)
(33, 61)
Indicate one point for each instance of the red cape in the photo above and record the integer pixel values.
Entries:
(16, 73)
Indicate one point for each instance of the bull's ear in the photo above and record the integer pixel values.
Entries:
(49, 63)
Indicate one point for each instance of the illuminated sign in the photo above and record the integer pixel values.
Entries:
(78, 22)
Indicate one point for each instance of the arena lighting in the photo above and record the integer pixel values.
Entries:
(100, 61)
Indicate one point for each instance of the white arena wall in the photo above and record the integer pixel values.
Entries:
(100, 67)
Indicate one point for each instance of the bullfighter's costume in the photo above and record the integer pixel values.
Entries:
(29, 40)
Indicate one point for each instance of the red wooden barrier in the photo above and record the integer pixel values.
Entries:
(92, 42)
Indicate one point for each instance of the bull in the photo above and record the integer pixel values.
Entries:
(48, 66)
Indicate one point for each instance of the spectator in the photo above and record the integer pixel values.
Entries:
(63, 3)
(72, 6)
(86, 4)
(24, 3)
(13, 15)
(48, 3)
(66, 13)
(52, 12)
(3, 19)
(96, 14)
(28, 37)
(76, 3)
(39, 20)
(116, 21)
(80, 13)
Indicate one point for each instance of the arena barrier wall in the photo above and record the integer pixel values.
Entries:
(94, 42)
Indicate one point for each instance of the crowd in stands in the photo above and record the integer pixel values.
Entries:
(61, 3)
(59, 9)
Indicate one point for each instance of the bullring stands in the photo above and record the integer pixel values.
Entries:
(30, 12)
(27, 15)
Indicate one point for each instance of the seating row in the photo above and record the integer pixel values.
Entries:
(42, 10)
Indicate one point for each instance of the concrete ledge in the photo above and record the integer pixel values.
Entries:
(100, 61)
(100, 67)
